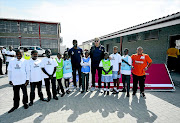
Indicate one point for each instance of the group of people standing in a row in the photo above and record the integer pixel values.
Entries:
(109, 67)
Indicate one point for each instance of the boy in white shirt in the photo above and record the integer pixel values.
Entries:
(116, 61)
(18, 76)
(126, 70)
(85, 63)
(48, 66)
(35, 77)
(9, 56)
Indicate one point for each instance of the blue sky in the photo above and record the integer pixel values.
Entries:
(86, 19)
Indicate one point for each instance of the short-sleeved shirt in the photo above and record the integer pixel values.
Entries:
(139, 62)
(173, 52)
(10, 53)
(35, 70)
(48, 64)
(116, 59)
(75, 55)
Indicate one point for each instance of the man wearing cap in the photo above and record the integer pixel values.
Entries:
(96, 54)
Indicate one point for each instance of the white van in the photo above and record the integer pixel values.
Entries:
(41, 52)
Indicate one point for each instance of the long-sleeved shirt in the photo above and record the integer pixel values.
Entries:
(18, 71)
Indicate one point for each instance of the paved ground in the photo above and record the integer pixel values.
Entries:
(159, 107)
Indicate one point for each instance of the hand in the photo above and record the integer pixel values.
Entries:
(119, 72)
(10, 82)
(27, 82)
(145, 68)
(51, 76)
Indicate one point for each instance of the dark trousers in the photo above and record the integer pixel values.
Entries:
(93, 71)
(126, 79)
(1, 66)
(85, 81)
(32, 93)
(47, 84)
(66, 83)
(60, 86)
(141, 80)
(7, 63)
(74, 76)
(4, 58)
(108, 84)
(16, 98)
(171, 63)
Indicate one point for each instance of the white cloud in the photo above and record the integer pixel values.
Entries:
(84, 20)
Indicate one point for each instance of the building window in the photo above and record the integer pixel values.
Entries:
(132, 37)
(154, 34)
(107, 47)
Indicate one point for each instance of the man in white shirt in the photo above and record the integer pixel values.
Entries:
(48, 66)
(35, 77)
(126, 70)
(18, 76)
(116, 61)
(9, 56)
(1, 61)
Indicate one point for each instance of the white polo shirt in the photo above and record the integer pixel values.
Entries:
(35, 70)
(10, 53)
(48, 64)
(116, 59)
(18, 71)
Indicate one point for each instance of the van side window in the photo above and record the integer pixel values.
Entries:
(31, 48)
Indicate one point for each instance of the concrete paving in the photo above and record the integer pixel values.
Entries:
(92, 107)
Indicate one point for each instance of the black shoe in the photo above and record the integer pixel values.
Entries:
(107, 92)
(26, 106)
(62, 94)
(67, 91)
(82, 91)
(104, 92)
(6, 73)
(48, 99)
(127, 94)
(31, 103)
(56, 98)
(1, 74)
(143, 95)
(43, 99)
(134, 93)
(115, 92)
(12, 109)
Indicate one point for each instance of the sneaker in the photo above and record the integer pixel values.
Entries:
(12, 109)
(56, 98)
(67, 92)
(82, 91)
(115, 92)
(92, 89)
(62, 94)
(123, 90)
(31, 103)
(26, 106)
(143, 95)
(75, 88)
(48, 99)
(43, 99)
(100, 90)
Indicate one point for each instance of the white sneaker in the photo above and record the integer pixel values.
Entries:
(100, 90)
(92, 89)
(75, 88)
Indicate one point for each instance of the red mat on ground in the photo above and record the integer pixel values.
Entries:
(157, 78)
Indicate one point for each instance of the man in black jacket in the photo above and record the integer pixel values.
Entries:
(96, 54)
